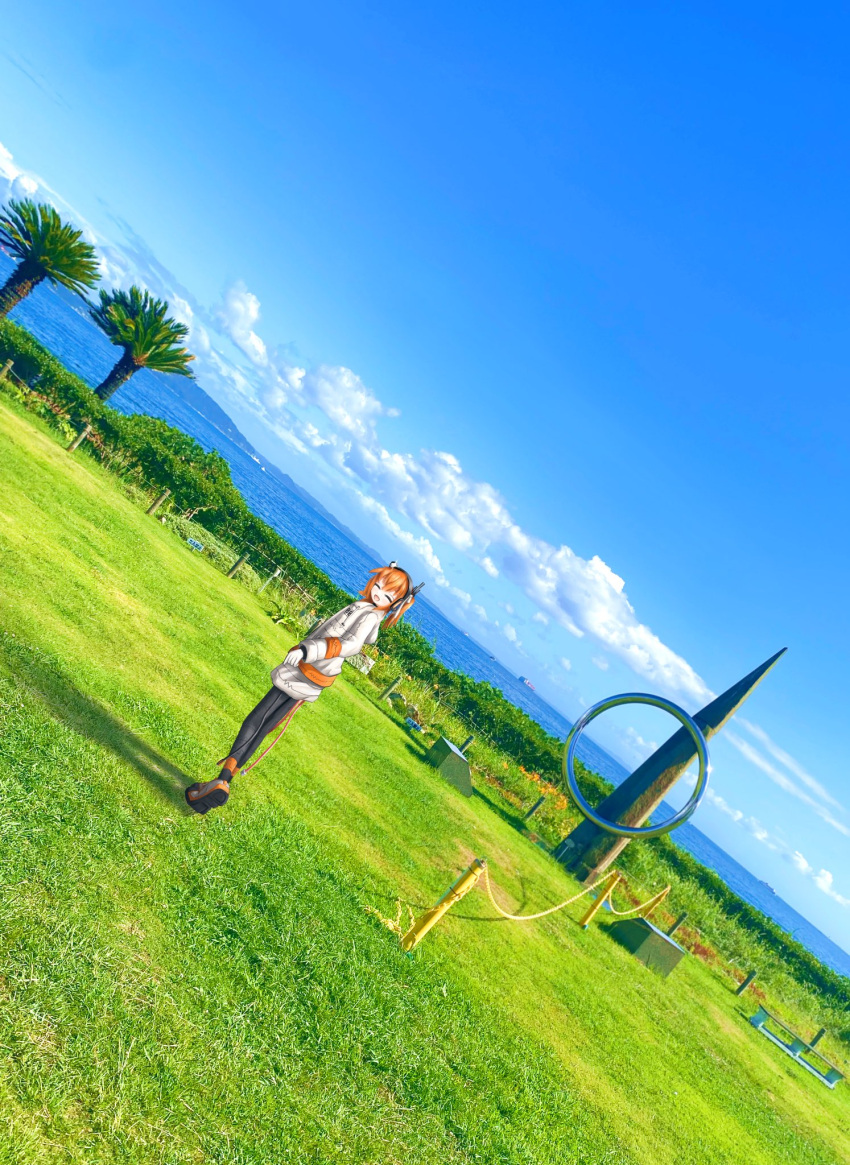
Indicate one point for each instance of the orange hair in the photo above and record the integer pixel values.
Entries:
(392, 578)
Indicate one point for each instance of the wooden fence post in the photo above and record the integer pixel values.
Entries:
(6, 369)
(534, 808)
(80, 437)
(154, 506)
(677, 923)
(746, 983)
(242, 558)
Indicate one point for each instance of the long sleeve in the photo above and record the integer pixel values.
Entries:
(349, 642)
(332, 642)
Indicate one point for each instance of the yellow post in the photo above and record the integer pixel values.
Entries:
(454, 894)
(653, 902)
(596, 906)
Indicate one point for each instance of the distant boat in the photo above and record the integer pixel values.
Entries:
(528, 683)
(767, 885)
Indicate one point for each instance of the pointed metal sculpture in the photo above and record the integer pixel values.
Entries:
(588, 850)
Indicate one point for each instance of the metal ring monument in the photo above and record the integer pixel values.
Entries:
(701, 748)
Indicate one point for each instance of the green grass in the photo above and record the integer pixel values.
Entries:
(182, 989)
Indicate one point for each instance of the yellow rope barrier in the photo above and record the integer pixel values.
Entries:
(541, 913)
(647, 906)
(417, 929)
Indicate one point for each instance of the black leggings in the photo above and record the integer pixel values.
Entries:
(258, 724)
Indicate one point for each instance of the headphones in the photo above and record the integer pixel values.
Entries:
(412, 591)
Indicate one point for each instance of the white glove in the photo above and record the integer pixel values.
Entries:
(294, 657)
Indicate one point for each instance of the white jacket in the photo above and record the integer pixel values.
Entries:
(351, 627)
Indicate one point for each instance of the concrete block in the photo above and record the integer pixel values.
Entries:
(450, 763)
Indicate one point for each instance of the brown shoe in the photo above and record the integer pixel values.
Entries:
(207, 795)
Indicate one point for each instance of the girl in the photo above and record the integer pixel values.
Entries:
(310, 667)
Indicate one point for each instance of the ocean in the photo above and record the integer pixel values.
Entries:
(67, 332)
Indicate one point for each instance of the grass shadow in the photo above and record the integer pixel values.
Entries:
(418, 752)
(498, 917)
(42, 676)
(515, 822)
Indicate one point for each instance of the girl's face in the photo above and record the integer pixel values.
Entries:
(382, 598)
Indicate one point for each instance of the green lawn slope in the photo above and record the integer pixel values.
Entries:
(183, 989)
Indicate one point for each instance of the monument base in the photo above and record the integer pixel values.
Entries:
(648, 944)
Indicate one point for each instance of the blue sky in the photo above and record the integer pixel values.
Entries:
(550, 304)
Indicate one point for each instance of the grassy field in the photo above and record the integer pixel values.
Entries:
(182, 989)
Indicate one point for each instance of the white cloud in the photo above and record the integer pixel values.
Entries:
(799, 862)
(480, 612)
(346, 401)
(539, 617)
(601, 662)
(784, 782)
(420, 546)
(824, 881)
(237, 315)
(794, 766)
(19, 183)
(755, 827)
(489, 566)
(181, 309)
(723, 805)
(752, 825)
(565, 664)
(510, 633)
(636, 742)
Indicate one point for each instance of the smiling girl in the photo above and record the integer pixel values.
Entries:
(310, 667)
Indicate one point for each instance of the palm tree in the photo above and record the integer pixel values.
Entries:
(140, 325)
(47, 248)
